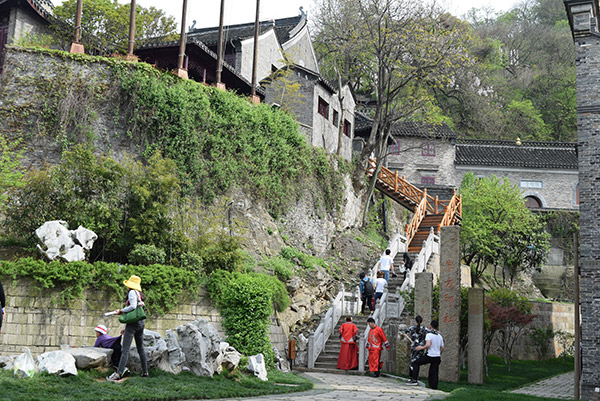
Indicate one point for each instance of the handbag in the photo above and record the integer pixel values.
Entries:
(139, 313)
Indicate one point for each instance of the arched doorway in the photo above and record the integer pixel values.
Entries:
(532, 202)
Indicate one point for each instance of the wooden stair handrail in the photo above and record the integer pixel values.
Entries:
(413, 227)
(424, 203)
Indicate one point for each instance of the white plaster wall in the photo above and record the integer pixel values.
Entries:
(301, 51)
(269, 53)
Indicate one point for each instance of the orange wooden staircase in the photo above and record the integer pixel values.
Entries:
(428, 212)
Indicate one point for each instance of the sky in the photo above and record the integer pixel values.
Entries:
(206, 12)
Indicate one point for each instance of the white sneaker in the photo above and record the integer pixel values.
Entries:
(412, 383)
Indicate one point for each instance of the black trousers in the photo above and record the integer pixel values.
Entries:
(366, 300)
(434, 369)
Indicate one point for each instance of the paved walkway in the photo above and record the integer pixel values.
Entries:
(561, 386)
(332, 387)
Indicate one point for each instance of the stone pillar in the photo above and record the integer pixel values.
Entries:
(583, 16)
(475, 332)
(423, 296)
(450, 302)
(402, 352)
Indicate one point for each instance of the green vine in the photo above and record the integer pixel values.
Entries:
(163, 285)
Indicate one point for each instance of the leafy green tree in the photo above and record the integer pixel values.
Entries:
(397, 50)
(105, 24)
(498, 231)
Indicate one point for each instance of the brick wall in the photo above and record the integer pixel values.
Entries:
(34, 318)
(23, 22)
(583, 18)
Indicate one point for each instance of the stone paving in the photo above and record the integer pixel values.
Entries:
(561, 386)
(333, 387)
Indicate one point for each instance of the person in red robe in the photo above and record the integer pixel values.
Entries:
(375, 343)
(348, 358)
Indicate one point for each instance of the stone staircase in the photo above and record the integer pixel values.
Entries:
(327, 360)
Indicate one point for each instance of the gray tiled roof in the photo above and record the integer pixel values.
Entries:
(551, 155)
(283, 27)
(409, 128)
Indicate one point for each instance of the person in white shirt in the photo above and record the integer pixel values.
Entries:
(385, 264)
(434, 344)
(380, 284)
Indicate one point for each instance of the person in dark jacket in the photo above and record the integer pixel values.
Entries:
(3, 305)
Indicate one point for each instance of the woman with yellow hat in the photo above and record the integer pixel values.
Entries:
(132, 330)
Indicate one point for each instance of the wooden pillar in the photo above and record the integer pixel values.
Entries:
(220, 84)
(255, 99)
(132, 14)
(180, 71)
(76, 46)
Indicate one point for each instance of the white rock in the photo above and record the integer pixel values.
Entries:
(155, 348)
(73, 254)
(90, 357)
(176, 358)
(57, 362)
(256, 365)
(85, 237)
(230, 358)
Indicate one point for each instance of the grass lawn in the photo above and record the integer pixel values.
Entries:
(91, 386)
(500, 381)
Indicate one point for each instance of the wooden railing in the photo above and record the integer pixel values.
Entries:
(425, 204)
(420, 211)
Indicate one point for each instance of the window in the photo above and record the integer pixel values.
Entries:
(531, 184)
(427, 180)
(323, 108)
(532, 202)
(427, 149)
(347, 128)
(395, 148)
(335, 117)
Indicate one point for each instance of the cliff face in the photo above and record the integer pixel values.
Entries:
(49, 101)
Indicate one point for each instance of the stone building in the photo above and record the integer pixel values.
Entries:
(546, 172)
(316, 107)
(583, 19)
(278, 39)
(21, 17)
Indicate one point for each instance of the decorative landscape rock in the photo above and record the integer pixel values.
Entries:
(60, 242)
(156, 352)
(90, 357)
(57, 362)
(256, 365)
(201, 344)
(175, 360)
(281, 363)
(229, 358)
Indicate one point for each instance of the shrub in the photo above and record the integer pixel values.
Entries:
(280, 266)
(226, 254)
(147, 255)
(541, 337)
(191, 261)
(247, 301)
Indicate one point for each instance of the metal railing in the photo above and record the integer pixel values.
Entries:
(340, 306)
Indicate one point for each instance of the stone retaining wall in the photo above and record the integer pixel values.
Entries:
(557, 315)
(35, 318)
